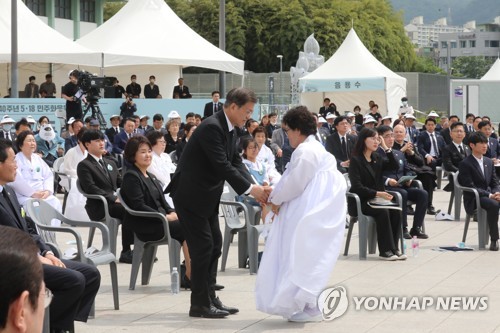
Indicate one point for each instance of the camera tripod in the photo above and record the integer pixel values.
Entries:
(96, 113)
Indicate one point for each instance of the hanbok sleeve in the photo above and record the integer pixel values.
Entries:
(70, 163)
(48, 176)
(299, 173)
(21, 185)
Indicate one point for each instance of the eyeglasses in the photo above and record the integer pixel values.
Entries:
(252, 148)
(387, 136)
(163, 142)
(48, 297)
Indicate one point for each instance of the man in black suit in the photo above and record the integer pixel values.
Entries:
(73, 284)
(477, 171)
(133, 89)
(323, 111)
(181, 91)
(445, 133)
(340, 144)
(407, 191)
(213, 106)
(121, 138)
(493, 147)
(157, 124)
(151, 90)
(7, 123)
(430, 144)
(98, 175)
(411, 132)
(454, 152)
(114, 129)
(207, 161)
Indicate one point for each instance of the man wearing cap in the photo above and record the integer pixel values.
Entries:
(386, 120)
(405, 108)
(115, 127)
(157, 124)
(181, 91)
(31, 121)
(133, 89)
(144, 124)
(48, 86)
(73, 104)
(72, 141)
(7, 123)
(213, 106)
(340, 144)
(369, 122)
(330, 117)
(411, 131)
(151, 90)
(175, 115)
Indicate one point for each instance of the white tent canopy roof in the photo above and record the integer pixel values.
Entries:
(494, 73)
(37, 42)
(352, 59)
(149, 32)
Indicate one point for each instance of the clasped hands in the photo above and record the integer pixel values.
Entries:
(41, 194)
(261, 193)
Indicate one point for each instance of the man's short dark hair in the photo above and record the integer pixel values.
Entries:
(470, 115)
(132, 146)
(48, 76)
(326, 99)
(383, 129)
(157, 117)
(483, 123)
(215, 92)
(87, 119)
(477, 117)
(189, 115)
(487, 117)
(272, 114)
(4, 146)
(430, 119)
(454, 116)
(128, 119)
(22, 122)
(300, 118)
(77, 121)
(456, 124)
(32, 78)
(374, 106)
(133, 76)
(339, 119)
(135, 116)
(20, 269)
(152, 77)
(240, 97)
(249, 122)
(91, 135)
(477, 137)
(197, 116)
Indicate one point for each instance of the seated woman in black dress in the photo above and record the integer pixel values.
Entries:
(365, 174)
(141, 191)
(173, 135)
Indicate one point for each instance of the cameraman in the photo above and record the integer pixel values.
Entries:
(73, 104)
(128, 108)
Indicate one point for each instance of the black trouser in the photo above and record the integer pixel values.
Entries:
(428, 183)
(491, 206)
(74, 289)
(388, 223)
(204, 240)
(117, 211)
(416, 195)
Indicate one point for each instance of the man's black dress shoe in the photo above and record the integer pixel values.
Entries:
(494, 245)
(126, 257)
(418, 232)
(218, 304)
(431, 210)
(406, 234)
(218, 286)
(207, 312)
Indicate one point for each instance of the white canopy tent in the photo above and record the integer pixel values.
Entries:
(353, 76)
(148, 32)
(494, 73)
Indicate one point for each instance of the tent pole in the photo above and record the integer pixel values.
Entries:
(102, 64)
(14, 56)
(222, 44)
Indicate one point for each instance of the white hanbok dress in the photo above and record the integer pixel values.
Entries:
(31, 176)
(162, 166)
(306, 236)
(75, 203)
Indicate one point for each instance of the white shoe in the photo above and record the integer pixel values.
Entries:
(303, 317)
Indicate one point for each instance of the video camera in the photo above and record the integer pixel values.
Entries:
(90, 85)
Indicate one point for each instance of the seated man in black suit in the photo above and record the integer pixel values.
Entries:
(24, 296)
(181, 91)
(121, 138)
(445, 132)
(98, 175)
(407, 191)
(340, 144)
(157, 124)
(454, 152)
(114, 129)
(323, 111)
(72, 141)
(73, 284)
(213, 106)
(493, 147)
(477, 171)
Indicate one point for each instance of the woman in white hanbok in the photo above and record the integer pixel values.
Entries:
(161, 164)
(75, 202)
(307, 233)
(34, 179)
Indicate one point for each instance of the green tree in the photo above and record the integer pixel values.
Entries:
(471, 67)
(111, 8)
(426, 65)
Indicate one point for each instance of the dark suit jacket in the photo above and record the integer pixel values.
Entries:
(137, 192)
(414, 134)
(452, 156)
(470, 175)
(402, 169)
(207, 161)
(110, 132)
(333, 146)
(209, 109)
(94, 181)
(270, 129)
(183, 93)
(119, 142)
(70, 142)
(366, 179)
(493, 148)
(424, 143)
(445, 133)
(12, 135)
(151, 93)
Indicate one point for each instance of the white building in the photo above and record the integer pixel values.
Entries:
(426, 35)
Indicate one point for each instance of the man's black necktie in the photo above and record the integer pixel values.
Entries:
(215, 107)
(461, 151)
(434, 145)
(104, 169)
(344, 147)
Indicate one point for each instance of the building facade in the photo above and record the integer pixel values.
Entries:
(425, 35)
(72, 18)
